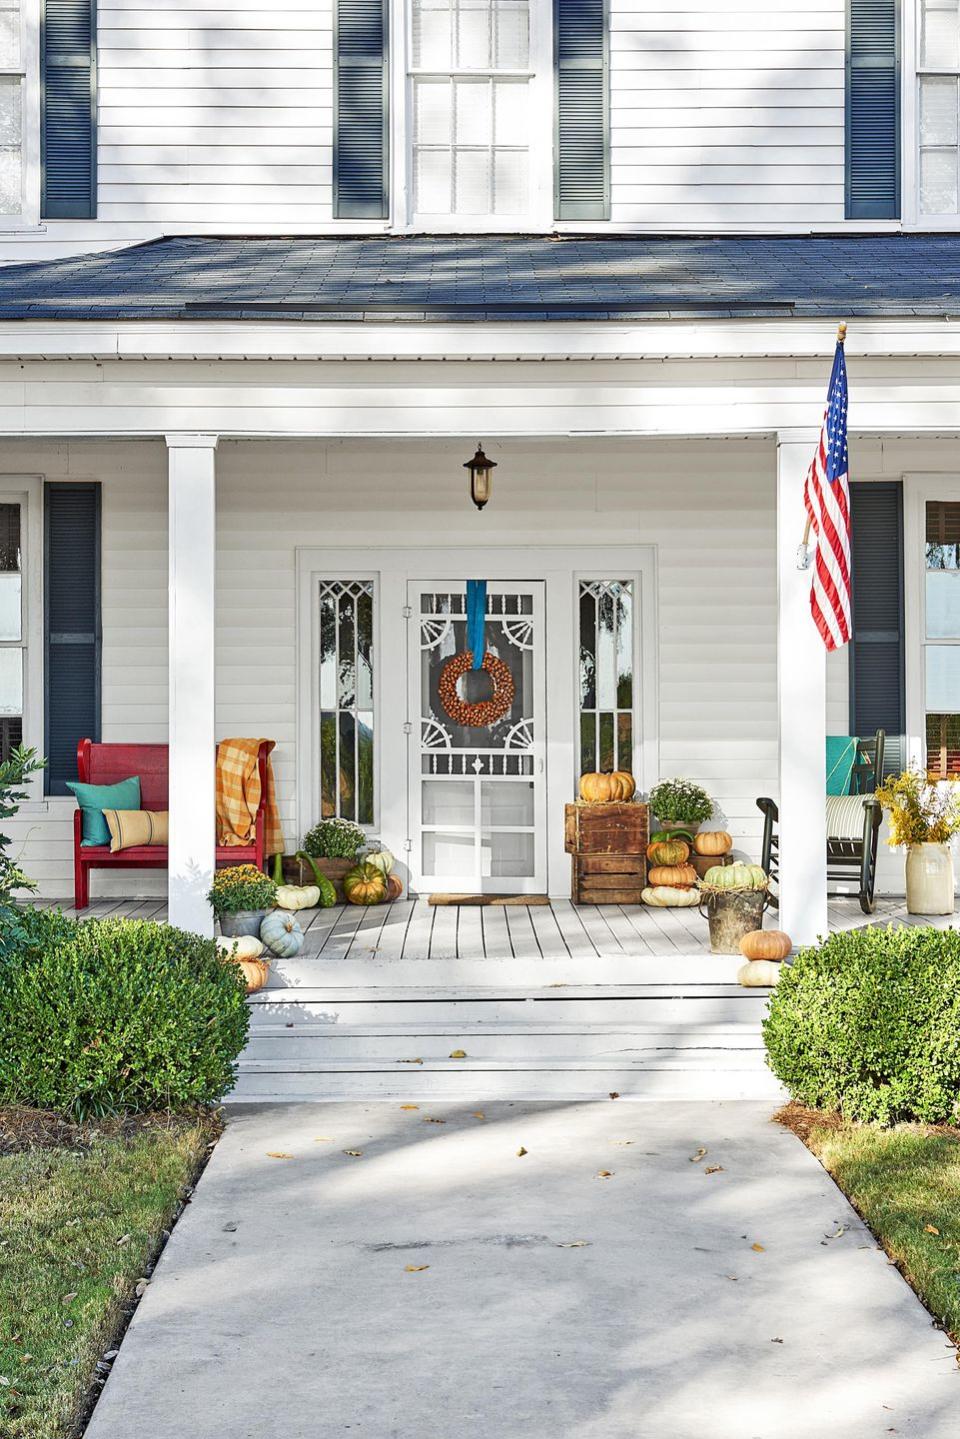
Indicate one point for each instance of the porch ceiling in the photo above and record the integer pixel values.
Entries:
(431, 278)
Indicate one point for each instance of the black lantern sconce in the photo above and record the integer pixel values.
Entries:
(481, 477)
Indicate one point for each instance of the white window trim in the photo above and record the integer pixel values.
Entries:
(27, 491)
(29, 71)
(540, 215)
(917, 489)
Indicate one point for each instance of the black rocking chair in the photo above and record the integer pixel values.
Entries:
(852, 829)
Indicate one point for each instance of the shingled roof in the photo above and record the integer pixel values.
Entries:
(494, 277)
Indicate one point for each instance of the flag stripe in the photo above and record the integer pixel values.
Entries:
(826, 497)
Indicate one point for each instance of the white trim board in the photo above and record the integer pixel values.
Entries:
(560, 567)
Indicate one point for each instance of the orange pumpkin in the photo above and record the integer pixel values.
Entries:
(598, 788)
(668, 851)
(766, 944)
(394, 887)
(256, 972)
(625, 783)
(672, 874)
(712, 841)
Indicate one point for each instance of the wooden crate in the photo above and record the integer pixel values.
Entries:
(606, 828)
(608, 878)
(607, 844)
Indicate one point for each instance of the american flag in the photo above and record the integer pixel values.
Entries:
(826, 495)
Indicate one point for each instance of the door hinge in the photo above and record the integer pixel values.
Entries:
(407, 612)
(408, 844)
(407, 727)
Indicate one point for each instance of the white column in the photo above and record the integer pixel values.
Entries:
(192, 553)
(801, 710)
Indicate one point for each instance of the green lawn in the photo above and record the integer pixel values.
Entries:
(905, 1182)
(82, 1209)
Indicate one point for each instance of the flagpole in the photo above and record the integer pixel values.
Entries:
(804, 557)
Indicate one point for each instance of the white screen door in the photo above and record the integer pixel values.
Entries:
(478, 794)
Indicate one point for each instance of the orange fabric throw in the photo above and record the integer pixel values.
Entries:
(238, 795)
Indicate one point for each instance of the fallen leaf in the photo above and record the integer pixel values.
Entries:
(324, 1139)
(614, 1094)
(409, 1106)
(930, 1229)
(621, 1143)
(409, 1061)
(776, 1341)
(478, 1114)
(278, 1154)
(230, 1228)
(428, 1120)
(521, 1152)
(732, 1277)
(604, 1173)
(714, 1169)
(415, 1268)
(69, 1298)
(696, 1158)
(458, 1054)
(840, 1230)
(758, 1249)
(124, 1239)
(574, 1244)
(354, 1153)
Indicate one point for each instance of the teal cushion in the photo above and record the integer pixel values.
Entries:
(841, 757)
(93, 799)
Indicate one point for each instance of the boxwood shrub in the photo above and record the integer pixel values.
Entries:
(868, 1023)
(112, 1015)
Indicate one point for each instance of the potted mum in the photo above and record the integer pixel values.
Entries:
(330, 848)
(241, 897)
(680, 804)
(924, 814)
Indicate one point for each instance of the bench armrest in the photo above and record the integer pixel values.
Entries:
(768, 807)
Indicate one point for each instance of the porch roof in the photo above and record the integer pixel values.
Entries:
(430, 278)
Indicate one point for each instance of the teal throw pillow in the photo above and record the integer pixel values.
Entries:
(93, 799)
(841, 757)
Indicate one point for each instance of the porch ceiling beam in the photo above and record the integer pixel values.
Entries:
(192, 554)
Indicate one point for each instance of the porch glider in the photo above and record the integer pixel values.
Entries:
(104, 764)
(852, 823)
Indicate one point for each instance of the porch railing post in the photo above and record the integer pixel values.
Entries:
(192, 552)
(801, 710)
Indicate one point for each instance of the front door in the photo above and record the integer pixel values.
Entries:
(477, 788)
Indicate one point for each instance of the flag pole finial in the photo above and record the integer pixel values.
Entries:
(841, 332)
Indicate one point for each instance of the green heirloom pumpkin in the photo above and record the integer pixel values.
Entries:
(281, 933)
(365, 884)
(328, 893)
(735, 876)
(664, 836)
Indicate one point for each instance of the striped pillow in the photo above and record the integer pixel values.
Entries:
(845, 816)
(130, 828)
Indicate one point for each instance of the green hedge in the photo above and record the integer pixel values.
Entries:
(868, 1023)
(113, 1015)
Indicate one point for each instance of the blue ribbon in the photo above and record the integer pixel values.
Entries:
(476, 620)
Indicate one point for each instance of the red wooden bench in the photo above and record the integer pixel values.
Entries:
(107, 763)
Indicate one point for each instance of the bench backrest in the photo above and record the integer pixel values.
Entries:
(107, 763)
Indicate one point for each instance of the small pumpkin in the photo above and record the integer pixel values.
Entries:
(281, 933)
(382, 859)
(245, 946)
(328, 893)
(365, 884)
(766, 944)
(663, 896)
(297, 896)
(758, 972)
(735, 876)
(664, 836)
(394, 887)
(712, 841)
(597, 788)
(683, 875)
(626, 785)
(668, 851)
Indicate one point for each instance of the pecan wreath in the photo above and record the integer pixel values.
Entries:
(484, 712)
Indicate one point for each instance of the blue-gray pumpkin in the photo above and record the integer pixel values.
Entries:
(281, 934)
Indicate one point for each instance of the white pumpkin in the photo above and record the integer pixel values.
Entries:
(759, 972)
(244, 946)
(670, 896)
(382, 859)
(298, 896)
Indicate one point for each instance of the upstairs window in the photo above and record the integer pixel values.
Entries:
(470, 80)
(11, 108)
(939, 87)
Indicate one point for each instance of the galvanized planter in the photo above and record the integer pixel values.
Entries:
(731, 914)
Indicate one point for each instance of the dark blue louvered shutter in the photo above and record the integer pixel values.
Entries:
(361, 147)
(68, 127)
(71, 618)
(582, 130)
(873, 110)
(877, 667)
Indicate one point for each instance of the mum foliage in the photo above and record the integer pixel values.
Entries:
(681, 799)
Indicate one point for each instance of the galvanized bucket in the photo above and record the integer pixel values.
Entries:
(731, 915)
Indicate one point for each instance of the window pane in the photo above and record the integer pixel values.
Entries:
(10, 587)
(938, 182)
(938, 35)
(432, 112)
(11, 683)
(943, 745)
(9, 34)
(346, 699)
(11, 180)
(943, 604)
(938, 112)
(432, 35)
(942, 535)
(511, 36)
(433, 178)
(943, 677)
(473, 175)
(510, 182)
(10, 122)
(474, 112)
(606, 645)
(473, 35)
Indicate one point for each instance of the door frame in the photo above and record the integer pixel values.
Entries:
(560, 567)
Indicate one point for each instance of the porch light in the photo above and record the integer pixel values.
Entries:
(481, 477)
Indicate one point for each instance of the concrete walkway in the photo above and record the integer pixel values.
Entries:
(665, 1301)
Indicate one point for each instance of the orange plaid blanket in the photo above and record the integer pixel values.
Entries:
(238, 794)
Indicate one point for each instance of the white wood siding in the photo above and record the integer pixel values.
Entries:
(727, 113)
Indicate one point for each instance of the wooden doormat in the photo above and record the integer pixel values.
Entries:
(488, 899)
